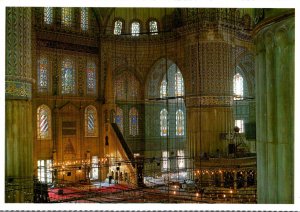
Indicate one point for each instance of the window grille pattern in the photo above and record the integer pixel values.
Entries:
(153, 27)
(163, 122)
(163, 89)
(165, 161)
(42, 74)
(238, 84)
(66, 16)
(133, 122)
(135, 28)
(44, 171)
(43, 122)
(68, 77)
(48, 15)
(118, 27)
(84, 16)
(240, 124)
(179, 123)
(94, 169)
(179, 87)
(91, 121)
(180, 159)
(91, 78)
(127, 87)
(119, 118)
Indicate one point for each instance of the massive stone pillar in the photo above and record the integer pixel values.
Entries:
(274, 39)
(209, 101)
(18, 107)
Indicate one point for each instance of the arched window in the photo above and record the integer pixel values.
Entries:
(118, 27)
(84, 17)
(135, 28)
(43, 74)
(163, 122)
(179, 123)
(66, 16)
(119, 118)
(48, 15)
(179, 91)
(68, 77)
(165, 161)
(153, 27)
(91, 78)
(238, 90)
(127, 87)
(43, 122)
(91, 121)
(133, 122)
(163, 89)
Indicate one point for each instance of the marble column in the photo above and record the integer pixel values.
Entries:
(275, 110)
(18, 107)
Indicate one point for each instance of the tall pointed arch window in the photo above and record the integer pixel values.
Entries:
(84, 17)
(43, 74)
(118, 27)
(119, 118)
(48, 15)
(133, 122)
(91, 78)
(179, 123)
(66, 16)
(163, 89)
(43, 122)
(135, 28)
(179, 87)
(153, 27)
(68, 77)
(163, 122)
(91, 121)
(238, 85)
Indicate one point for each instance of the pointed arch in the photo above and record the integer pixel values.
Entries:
(43, 122)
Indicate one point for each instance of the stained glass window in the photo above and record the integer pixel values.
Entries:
(238, 90)
(240, 124)
(68, 77)
(48, 15)
(66, 16)
(153, 27)
(91, 78)
(43, 75)
(84, 16)
(118, 27)
(179, 87)
(165, 160)
(43, 122)
(163, 89)
(90, 121)
(44, 171)
(180, 159)
(133, 122)
(119, 118)
(135, 28)
(127, 87)
(179, 123)
(163, 122)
